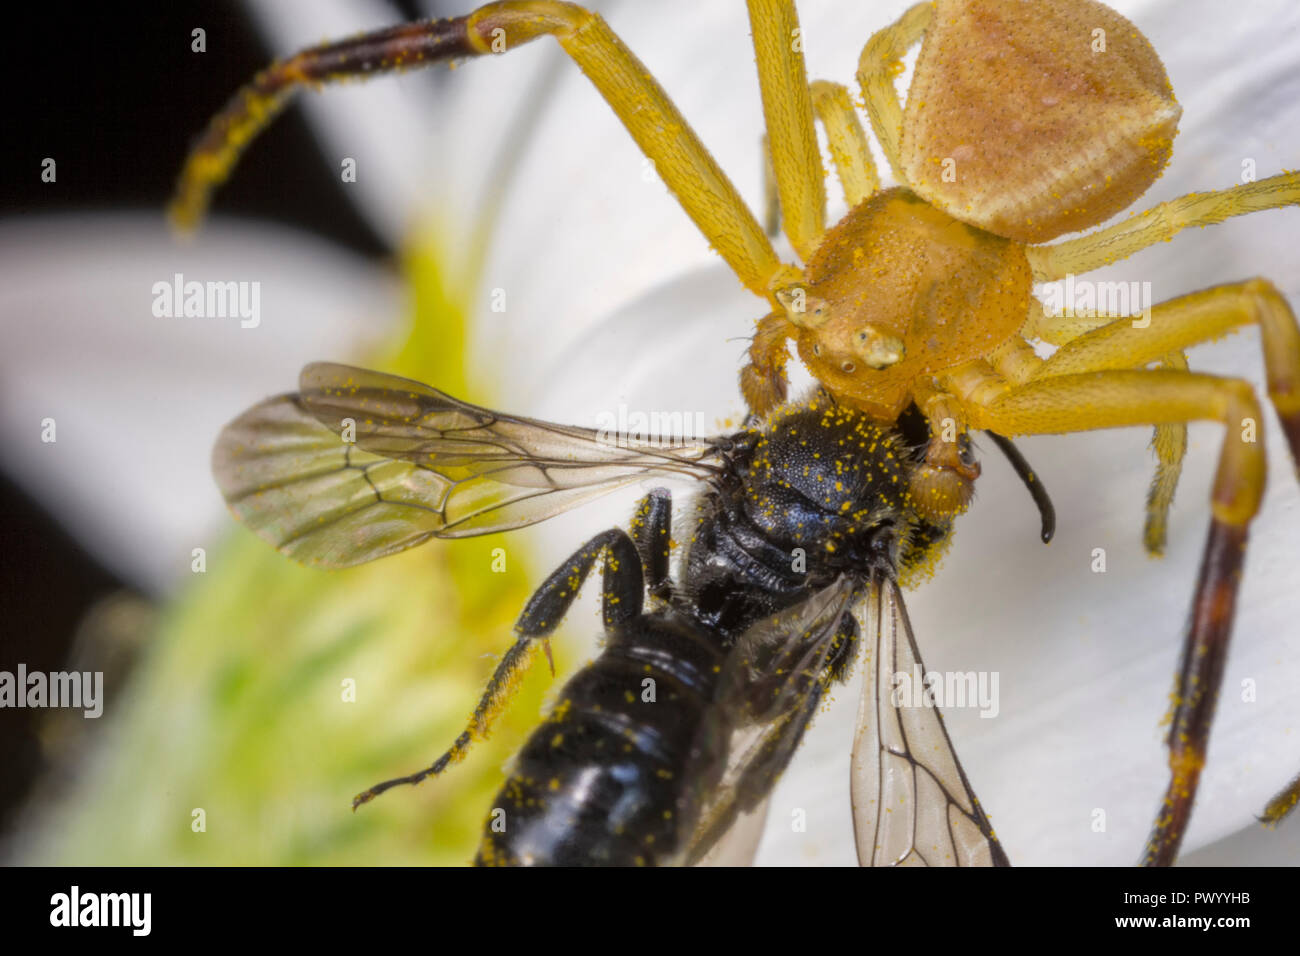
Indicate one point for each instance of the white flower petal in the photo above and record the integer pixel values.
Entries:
(137, 400)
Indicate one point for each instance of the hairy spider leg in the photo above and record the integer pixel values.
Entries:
(662, 133)
(880, 64)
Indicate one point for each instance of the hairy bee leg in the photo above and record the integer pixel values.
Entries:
(1115, 398)
(623, 595)
(788, 116)
(652, 534)
(659, 129)
(1160, 224)
(848, 142)
(1191, 319)
(878, 66)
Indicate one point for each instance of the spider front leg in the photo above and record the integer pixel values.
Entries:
(659, 129)
(1116, 398)
(788, 115)
(763, 380)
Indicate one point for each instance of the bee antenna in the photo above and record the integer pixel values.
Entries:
(1035, 485)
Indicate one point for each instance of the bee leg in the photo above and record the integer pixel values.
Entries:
(624, 589)
(652, 533)
(843, 649)
(624, 585)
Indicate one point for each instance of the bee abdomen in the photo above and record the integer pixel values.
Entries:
(604, 780)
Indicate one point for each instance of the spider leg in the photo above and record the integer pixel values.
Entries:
(1174, 326)
(763, 381)
(681, 160)
(1170, 445)
(1189, 320)
(1160, 224)
(879, 64)
(788, 114)
(1119, 397)
(848, 142)
(771, 197)
(623, 597)
(1280, 806)
(1169, 441)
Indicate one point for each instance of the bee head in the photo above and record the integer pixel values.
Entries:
(828, 480)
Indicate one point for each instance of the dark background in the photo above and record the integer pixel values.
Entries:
(113, 92)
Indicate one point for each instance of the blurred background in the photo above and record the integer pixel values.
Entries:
(224, 681)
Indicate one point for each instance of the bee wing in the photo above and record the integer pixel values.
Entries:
(912, 803)
(771, 686)
(359, 465)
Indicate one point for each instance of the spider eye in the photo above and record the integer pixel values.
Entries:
(849, 367)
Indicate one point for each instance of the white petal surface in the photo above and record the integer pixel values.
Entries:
(137, 400)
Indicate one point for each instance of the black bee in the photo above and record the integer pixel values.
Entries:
(791, 560)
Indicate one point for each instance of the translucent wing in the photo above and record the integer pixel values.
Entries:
(912, 803)
(359, 465)
(771, 686)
